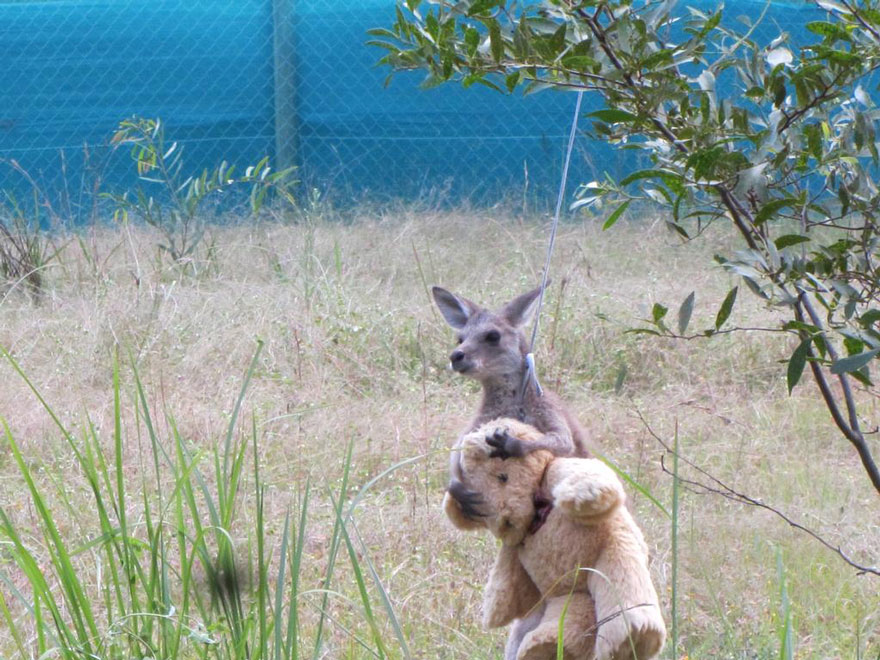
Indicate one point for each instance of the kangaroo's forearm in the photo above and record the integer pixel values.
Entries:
(560, 443)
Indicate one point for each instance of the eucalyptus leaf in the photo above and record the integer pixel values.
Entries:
(853, 362)
(615, 216)
(613, 116)
(726, 308)
(685, 312)
(796, 363)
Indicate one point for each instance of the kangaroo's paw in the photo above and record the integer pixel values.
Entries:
(505, 445)
(468, 500)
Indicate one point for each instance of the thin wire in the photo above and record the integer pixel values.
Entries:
(530, 374)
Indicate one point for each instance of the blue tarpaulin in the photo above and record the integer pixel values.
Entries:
(72, 69)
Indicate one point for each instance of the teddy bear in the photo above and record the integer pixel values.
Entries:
(569, 545)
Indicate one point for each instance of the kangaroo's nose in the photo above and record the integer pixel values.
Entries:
(457, 356)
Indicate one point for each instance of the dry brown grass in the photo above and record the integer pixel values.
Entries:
(354, 352)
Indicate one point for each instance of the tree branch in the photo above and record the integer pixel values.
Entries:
(718, 487)
(851, 430)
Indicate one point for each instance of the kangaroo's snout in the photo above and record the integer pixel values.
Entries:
(457, 361)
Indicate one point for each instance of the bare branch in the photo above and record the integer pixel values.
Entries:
(718, 487)
(850, 430)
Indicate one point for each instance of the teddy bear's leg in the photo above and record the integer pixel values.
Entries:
(630, 625)
(509, 593)
(578, 632)
(519, 629)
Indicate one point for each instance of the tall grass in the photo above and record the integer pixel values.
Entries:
(229, 522)
(178, 562)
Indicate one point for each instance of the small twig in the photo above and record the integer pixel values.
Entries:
(712, 332)
(722, 489)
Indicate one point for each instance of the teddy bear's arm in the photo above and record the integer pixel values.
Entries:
(510, 592)
(585, 489)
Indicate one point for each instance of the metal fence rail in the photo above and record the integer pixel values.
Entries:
(236, 80)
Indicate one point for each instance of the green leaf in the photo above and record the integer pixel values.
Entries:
(658, 311)
(726, 308)
(678, 229)
(853, 345)
(511, 81)
(557, 41)
(755, 93)
(870, 317)
(684, 313)
(796, 363)
(853, 362)
(704, 162)
(614, 217)
(825, 29)
(578, 62)
(375, 32)
(483, 6)
(471, 40)
(656, 59)
(771, 208)
(863, 376)
(496, 43)
(432, 26)
(671, 179)
(755, 287)
(790, 239)
(613, 116)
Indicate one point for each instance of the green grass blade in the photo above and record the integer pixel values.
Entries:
(623, 474)
(278, 632)
(10, 624)
(77, 604)
(295, 571)
(262, 569)
(361, 583)
(121, 500)
(383, 594)
(675, 504)
(230, 431)
(366, 487)
(29, 566)
(332, 553)
(786, 645)
(560, 641)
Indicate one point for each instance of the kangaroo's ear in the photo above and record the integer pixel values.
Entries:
(519, 311)
(455, 310)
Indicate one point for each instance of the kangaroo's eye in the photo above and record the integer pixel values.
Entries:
(493, 336)
(460, 340)
(502, 478)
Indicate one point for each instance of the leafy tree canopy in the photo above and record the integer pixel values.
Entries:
(778, 139)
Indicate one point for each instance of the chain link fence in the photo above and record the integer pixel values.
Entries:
(236, 80)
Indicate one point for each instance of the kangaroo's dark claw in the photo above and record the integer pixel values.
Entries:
(468, 500)
(504, 445)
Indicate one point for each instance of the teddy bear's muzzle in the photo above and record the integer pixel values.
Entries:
(468, 500)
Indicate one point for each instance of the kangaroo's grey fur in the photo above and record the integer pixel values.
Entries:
(492, 349)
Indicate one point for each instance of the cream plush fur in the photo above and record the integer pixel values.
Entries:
(613, 611)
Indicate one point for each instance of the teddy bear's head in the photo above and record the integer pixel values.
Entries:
(502, 495)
